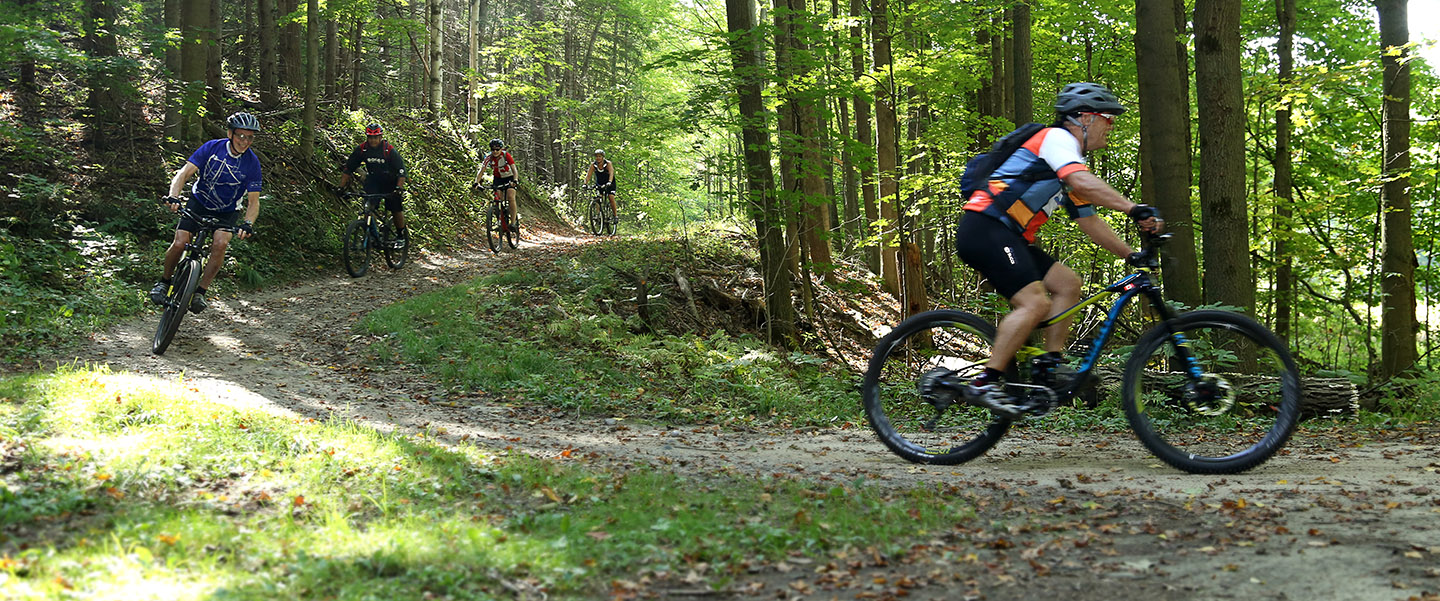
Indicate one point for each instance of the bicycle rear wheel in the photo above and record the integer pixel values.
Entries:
(595, 218)
(492, 228)
(394, 257)
(610, 220)
(910, 392)
(1230, 410)
(357, 248)
(182, 289)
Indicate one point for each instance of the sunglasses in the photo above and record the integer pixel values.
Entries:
(1110, 119)
(244, 137)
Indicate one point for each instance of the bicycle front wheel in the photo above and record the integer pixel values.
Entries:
(595, 218)
(357, 249)
(1212, 392)
(911, 397)
(492, 228)
(512, 228)
(182, 289)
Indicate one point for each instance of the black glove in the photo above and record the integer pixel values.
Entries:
(1141, 212)
(1137, 259)
(398, 194)
(172, 200)
(247, 227)
(337, 190)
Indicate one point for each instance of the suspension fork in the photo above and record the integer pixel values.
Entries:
(1178, 341)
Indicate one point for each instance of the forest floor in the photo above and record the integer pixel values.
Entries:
(1336, 515)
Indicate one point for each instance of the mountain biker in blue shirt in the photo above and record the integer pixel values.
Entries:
(384, 174)
(229, 172)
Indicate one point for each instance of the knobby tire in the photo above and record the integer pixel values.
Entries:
(357, 251)
(953, 342)
(182, 289)
(1234, 353)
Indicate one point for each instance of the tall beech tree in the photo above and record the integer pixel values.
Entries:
(1224, 211)
(1397, 281)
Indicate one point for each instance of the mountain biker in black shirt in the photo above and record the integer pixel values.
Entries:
(384, 174)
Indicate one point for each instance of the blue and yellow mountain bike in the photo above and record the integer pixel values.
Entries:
(1208, 392)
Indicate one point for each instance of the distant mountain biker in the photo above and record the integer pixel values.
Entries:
(996, 237)
(229, 171)
(502, 171)
(384, 174)
(604, 172)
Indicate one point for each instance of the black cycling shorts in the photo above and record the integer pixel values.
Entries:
(502, 182)
(999, 254)
(606, 187)
(382, 185)
(227, 219)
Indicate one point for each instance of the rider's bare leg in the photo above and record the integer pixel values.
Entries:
(217, 257)
(1064, 287)
(1031, 306)
(173, 254)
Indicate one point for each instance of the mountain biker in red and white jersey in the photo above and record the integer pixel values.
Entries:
(501, 167)
(997, 234)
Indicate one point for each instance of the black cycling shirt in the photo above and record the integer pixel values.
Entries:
(381, 163)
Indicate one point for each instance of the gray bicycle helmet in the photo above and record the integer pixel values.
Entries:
(497, 143)
(600, 151)
(243, 120)
(1085, 97)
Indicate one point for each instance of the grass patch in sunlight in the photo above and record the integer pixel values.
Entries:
(565, 336)
(120, 486)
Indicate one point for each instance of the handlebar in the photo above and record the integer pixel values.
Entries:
(1149, 255)
(205, 221)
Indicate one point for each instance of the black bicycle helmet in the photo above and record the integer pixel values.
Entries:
(1085, 97)
(243, 120)
(497, 143)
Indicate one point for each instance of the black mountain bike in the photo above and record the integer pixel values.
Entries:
(600, 216)
(370, 233)
(185, 279)
(497, 220)
(1208, 392)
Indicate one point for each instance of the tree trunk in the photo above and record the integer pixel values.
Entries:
(472, 99)
(1284, 192)
(1165, 155)
(356, 54)
(248, 51)
(214, 88)
(1021, 59)
(763, 206)
(195, 55)
(312, 78)
(174, 89)
(435, 24)
(1224, 213)
(885, 151)
(1397, 284)
(269, 83)
(109, 91)
(801, 142)
(864, 137)
(998, 59)
(332, 54)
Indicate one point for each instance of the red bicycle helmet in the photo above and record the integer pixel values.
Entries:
(374, 129)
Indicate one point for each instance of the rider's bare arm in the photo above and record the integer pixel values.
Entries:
(1086, 185)
(252, 210)
(177, 183)
(1099, 231)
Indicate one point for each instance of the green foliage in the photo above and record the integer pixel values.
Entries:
(180, 497)
(569, 335)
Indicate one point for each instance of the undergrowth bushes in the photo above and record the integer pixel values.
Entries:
(568, 335)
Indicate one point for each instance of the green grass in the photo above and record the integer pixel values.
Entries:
(567, 336)
(122, 486)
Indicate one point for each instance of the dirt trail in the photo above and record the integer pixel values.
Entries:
(1327, 519)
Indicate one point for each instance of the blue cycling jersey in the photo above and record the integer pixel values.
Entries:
(224, 178)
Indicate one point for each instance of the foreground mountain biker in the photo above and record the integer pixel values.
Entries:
(996, 237)
(502, 170)
(229, 171)
(384, 174)
(604, 173)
